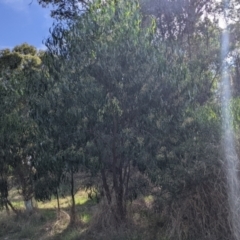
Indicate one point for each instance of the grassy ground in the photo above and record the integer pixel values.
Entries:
(93, 221)
(45, 222)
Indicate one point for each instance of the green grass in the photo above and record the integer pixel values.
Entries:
(46, 223)
(49, 214)
(85, 218)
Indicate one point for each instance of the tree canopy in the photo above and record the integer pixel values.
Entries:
(129, 93)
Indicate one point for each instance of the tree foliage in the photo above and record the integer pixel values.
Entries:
(64, 9)
(18, 131)
(125, 89)
(134, 97)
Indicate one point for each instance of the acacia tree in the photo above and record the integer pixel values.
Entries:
(130, 88)
(143, 94)
(97, 84)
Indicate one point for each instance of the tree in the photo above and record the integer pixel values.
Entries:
(18, 131)
(55, 111)
(100, 121)
(133, 91)
(178, 20)
(145, 94)
(65, 9)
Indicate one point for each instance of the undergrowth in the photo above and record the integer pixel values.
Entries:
(197, 216)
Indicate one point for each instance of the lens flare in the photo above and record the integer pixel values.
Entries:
(231, 158)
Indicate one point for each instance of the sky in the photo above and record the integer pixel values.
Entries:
(23, 21)
(26, 21)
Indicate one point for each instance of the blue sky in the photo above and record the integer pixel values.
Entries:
(23, 21)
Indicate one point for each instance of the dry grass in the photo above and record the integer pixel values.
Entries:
(45, 222)
(200, 215)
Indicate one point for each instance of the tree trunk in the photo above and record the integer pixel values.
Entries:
(58, 203)
(117, 165)
(29, 205)
(121, 209)
(73, 207)
(105, 186)
(7, 208)
(11, 206)
(26, 186)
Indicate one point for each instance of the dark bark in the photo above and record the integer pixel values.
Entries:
(58, 203)
(120, 200)
(73, 207)
(105, 186)
(7, 208)
(117, 176)
(114, 159)
(11, 206)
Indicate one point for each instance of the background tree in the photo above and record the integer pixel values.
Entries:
(56, 112)
(18, 131)
(65, 9)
